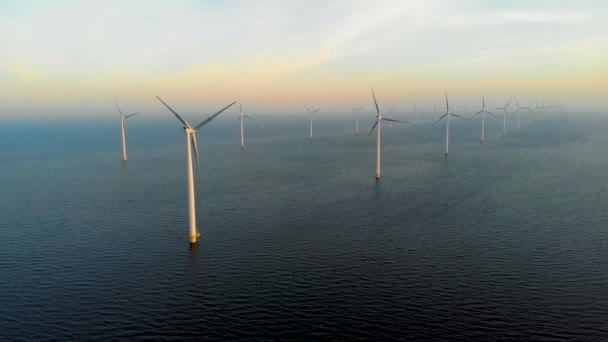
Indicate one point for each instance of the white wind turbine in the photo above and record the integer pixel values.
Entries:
(358, 110)
(241, 118)
(122, 129)
(416, 108)
(517, 111)
(531, 109)
(191, 147)
(447, 126)
(545, 107)
(378, 124)
(390, 110)
(504, 116)
(483, 112)
(310, 113)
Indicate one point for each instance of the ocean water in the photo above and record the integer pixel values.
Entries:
(502, 241)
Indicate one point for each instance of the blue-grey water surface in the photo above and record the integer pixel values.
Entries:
(502, 241)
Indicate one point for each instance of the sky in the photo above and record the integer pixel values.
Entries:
(73, 58)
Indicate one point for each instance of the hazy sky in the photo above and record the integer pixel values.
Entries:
(67, 57)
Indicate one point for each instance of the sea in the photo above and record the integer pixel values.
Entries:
(501, 241)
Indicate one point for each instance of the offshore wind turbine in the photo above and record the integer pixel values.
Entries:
(517, 111)
(122, 130)
(192, 148)
(531, 109)
(358, 110)
(391, 109)
(546, 106)
(504, 116)
(310, 113)
(241, 118)
(483, 112)
(378, 124)
(416, 108)
(447, 126)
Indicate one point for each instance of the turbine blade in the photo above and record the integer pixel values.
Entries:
(120, 111)
(241, 105)
(249, 117)
(481, 111)
(195, 151)
(491, 114)
(207, 120)
(174, 113)
(375, 102)
(308, 109)
(440, 118)
(130, 115)
(373, 128)
(394, 120)
(316, 110)
(458, 116)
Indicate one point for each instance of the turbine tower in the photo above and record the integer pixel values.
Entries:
(192, 148)
(531, 109)
(517, 111)
(241, 118)
(447, 126)
(416, 108)
(504, 116)
(358, 110)
(310, 113)
(391, 109)
(483, 112)
(122, 130)
(378, 123)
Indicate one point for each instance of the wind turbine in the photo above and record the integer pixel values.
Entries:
(531, 109)
(517, 111)
(447, 126)
(310, 113)
(416, 113)
(483, 112)
(241, 118)
(378, 124)
(391, 109)
(122, 129)
(504, 116)
(191, 147)
(358, 110)
(545, 107)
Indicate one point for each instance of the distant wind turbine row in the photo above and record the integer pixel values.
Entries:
(192, 146)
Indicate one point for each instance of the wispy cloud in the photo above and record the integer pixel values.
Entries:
(276, 46)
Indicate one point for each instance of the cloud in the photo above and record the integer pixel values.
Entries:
(513, 17)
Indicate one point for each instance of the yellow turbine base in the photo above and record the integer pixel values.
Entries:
(377, 176)
(193, 238)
